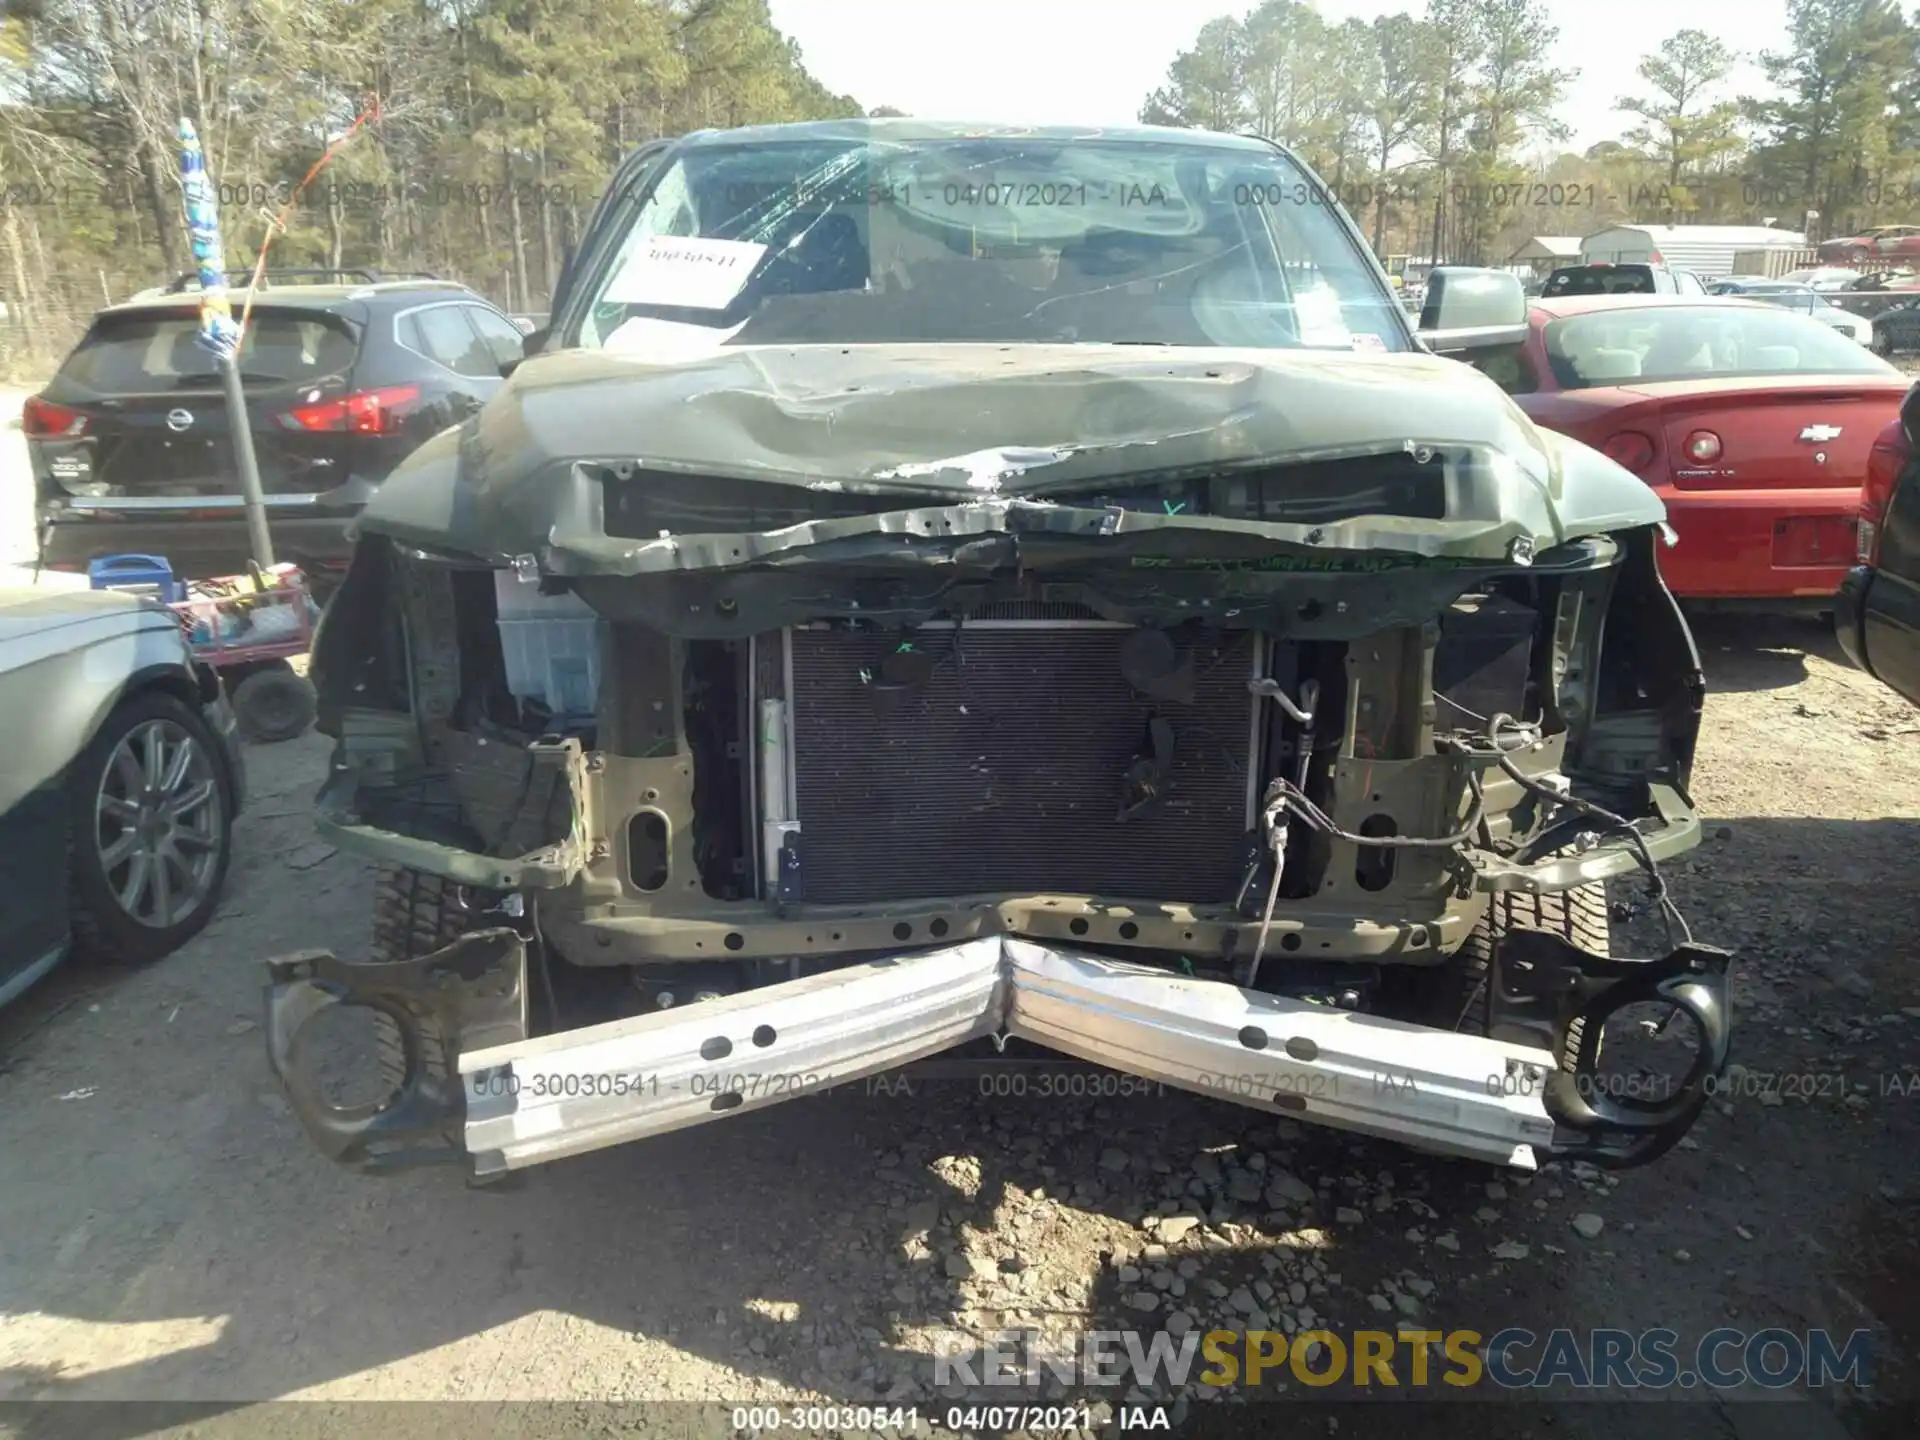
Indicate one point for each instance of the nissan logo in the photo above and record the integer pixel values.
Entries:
(179, 419)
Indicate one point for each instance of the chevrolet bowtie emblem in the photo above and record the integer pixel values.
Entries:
(1820, 434)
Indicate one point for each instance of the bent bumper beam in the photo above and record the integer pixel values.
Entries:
(1431, 1088)
(580, 1090)
(525, 1102)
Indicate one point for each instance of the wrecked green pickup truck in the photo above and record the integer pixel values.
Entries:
(933, 585)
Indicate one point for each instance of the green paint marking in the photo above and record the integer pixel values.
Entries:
(1174, 508)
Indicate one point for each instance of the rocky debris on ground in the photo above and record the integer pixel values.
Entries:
(314, 852)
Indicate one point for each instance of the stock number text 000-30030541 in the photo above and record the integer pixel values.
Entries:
(573, 1084)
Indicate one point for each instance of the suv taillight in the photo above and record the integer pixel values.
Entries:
(1889, 456)
(44, 420)
(368, 412)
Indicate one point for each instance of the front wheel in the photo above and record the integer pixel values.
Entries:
(1577, 916)
(414, 914)
(152, 830)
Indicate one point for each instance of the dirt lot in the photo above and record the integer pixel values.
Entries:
(170, 1234)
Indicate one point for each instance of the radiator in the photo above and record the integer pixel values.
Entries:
(1004, 771)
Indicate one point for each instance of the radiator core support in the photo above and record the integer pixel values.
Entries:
(999, 756)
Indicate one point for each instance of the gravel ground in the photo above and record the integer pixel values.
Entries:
(170, 1233)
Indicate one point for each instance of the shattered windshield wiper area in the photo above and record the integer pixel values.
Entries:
(645, 504)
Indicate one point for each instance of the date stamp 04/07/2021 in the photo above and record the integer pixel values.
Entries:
(1039, 1080)
(349, 195)
(991, 192)
(1024, 193)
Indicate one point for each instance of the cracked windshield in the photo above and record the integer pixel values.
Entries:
(1010, 240)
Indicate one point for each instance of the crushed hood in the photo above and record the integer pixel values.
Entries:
(995, 438)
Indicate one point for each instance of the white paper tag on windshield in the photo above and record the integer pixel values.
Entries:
(687, 270)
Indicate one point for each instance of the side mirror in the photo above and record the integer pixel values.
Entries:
(529, 345)
(1471, 308)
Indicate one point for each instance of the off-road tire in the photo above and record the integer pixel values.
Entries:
(1577, 916)
(414, 914)
(101, 929)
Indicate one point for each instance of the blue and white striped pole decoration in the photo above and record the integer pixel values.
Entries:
(220, 334)
(218, 330)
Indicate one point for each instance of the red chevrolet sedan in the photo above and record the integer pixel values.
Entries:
(1754, 424)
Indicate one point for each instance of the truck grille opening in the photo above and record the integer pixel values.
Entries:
(1001, 764)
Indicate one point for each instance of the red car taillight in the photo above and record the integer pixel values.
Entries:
(1889, 456)
(44, 420)
(1631, 449)
(370, 412)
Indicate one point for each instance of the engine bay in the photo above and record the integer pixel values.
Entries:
(1206, 794)
(1310, 800)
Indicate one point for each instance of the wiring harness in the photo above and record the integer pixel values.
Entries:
(1286, 799)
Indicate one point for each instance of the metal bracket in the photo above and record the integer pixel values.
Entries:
(1541, 985)
(1677, 832)
(467, 995)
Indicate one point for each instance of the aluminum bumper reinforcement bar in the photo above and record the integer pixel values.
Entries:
(518, 1102)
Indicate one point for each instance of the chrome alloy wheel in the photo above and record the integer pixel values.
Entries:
(159, 824)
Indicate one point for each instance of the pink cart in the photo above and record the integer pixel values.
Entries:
(249, 628)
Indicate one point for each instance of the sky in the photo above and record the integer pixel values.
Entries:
(1093, 61)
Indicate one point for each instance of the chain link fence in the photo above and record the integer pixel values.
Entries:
(41, 322)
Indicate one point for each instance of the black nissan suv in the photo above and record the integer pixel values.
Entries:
(345, 372)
